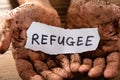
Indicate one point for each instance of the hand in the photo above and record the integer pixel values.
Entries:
(20, 18)
(14, 25)
(104, 16)
(36, 77)
(29, 65)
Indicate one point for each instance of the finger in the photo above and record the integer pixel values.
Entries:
(5, 32)
(51, 64)
(112, 67)
(5, 41)
(35, 55)
(25, 69)
(61, 72)
(49, 75)
(110, 46)
(40, 66)
(86, 66)
(36, 77)
(64, 62)
(75, 62)
(98, 67)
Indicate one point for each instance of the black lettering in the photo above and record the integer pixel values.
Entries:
(71, 43)
(79, 41)
(88, 41)
(61, 40)
(43, 39)
(34, 38)
(52, 38)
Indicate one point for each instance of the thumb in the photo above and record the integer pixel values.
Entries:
(5, 33)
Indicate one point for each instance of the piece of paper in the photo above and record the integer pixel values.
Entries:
(54, 40)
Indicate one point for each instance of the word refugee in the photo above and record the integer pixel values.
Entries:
(54, 40)
(61, 40)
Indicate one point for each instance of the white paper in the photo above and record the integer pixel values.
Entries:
(53, 40)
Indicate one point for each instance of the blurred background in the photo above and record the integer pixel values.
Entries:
(8, 4)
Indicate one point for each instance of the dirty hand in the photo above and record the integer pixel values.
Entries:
(14, 25)
(104, 16)
(13, 29)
